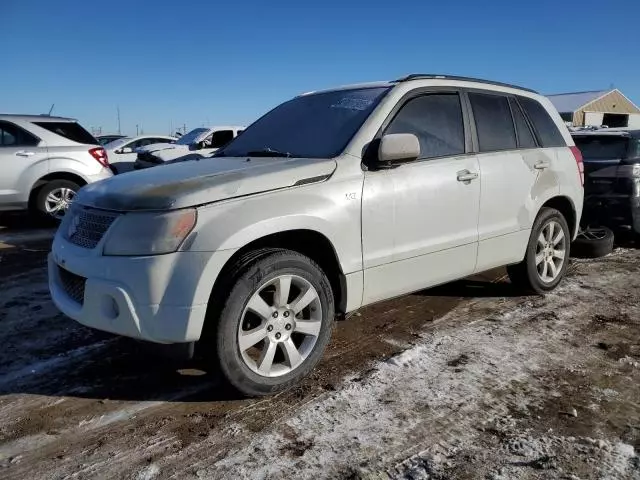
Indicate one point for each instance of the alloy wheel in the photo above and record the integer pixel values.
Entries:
(58, 201)
(551, 249)
(280, 325)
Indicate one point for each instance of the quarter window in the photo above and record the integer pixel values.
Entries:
(13, 136)
(494, 124)
(525, 137)
(545, 127)
(437, 122)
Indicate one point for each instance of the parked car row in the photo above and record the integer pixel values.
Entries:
(331, 201)
(198, 143)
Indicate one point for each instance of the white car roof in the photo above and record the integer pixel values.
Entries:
(34, 118)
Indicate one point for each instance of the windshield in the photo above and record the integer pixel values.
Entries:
(602, 147)
(313, 126)
(192, 136)
(115, 144)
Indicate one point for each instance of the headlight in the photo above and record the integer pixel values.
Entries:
(149, 233)
(636, 170)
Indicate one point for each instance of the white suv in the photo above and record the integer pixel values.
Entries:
(331, 201)
(44, 161)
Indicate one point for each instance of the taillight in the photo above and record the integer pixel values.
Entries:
(577, 154)
(100, 154)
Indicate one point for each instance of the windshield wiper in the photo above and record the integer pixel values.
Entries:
(268, 152)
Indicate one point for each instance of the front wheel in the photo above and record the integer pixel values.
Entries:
(275, 323)
(547, 255)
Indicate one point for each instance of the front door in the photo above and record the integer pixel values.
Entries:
(420, 220)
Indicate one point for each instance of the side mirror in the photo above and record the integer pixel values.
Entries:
(125, 150)
(398, 148)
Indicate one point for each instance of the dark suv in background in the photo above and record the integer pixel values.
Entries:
(612, 178)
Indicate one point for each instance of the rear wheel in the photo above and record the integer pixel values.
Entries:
(275, 323)
(54, 199)
(547, 255)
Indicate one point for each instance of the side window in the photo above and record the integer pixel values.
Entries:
(220, 138)
(545, 128)
(523, 132)
(494, 124)
(437, 122)
(13, 136)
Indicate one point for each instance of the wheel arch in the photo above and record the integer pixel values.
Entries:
(566, 207)
(33, 193)
(310, 243)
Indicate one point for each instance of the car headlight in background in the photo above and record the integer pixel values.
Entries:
(149, 233)
(635, 172)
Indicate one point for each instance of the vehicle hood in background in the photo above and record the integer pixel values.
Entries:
(198, 182)
(165, 151)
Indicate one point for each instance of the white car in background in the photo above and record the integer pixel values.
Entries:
(122, 152)
(199, 142)
(44, 161)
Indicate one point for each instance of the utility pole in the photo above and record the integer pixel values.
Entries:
(137, 133)
(184, 128)
(118, 107)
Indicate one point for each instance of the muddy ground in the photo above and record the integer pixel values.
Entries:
(469, 380)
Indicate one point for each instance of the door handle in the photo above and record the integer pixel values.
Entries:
(466, 176)
(24, 153)
(541, 165)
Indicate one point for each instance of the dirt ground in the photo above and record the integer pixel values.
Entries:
(469, 380)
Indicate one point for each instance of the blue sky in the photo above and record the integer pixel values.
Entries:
(199, 62)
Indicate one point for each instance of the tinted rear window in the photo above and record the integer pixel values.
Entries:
(493, 122)
(546, 129)
(70, 130)
(595, 147)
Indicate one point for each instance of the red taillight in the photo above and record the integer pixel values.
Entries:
(100, 154)
(577, 154)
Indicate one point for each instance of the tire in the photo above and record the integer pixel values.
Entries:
(528, 274)
(593, 243)
(58, 189)
(257, 277)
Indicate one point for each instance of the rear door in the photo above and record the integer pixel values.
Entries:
(511, 166)
(23, 159)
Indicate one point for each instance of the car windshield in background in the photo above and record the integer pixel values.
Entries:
(317, 125)
(70, 130)
(192, 136)
(601, 147)
(114, 144)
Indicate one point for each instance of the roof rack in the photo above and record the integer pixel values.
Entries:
(432, 76)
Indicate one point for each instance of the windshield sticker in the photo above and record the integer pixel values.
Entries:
(352, 103)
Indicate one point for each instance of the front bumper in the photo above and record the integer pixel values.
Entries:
(161, 298)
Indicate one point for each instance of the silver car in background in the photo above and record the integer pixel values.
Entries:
(44, 161)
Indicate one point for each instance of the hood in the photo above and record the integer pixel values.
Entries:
(158, 147)
(198, 182)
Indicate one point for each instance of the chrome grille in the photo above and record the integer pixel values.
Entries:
(72, 284)
(87, 227)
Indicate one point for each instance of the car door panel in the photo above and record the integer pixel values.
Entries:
(420, 219)
(419, 226)
(23, 160)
